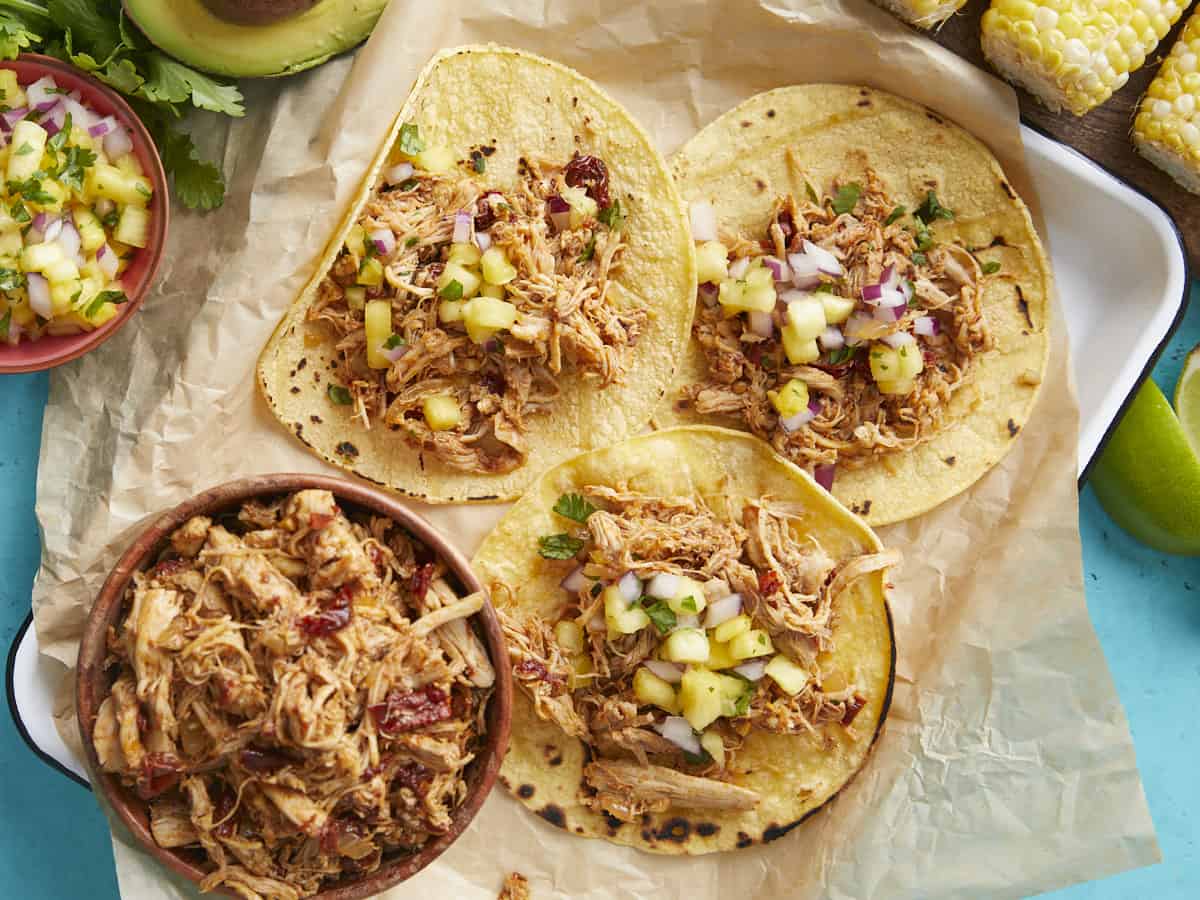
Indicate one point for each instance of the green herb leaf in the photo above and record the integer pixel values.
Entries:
(31, 189)
(394, 341)
(596, 589)
(894, 215)
(24, 150)
(168, 81)
(742, 704)
(478, 162)
(453, 290)
(824, 288)
(340, 395)
(198, 185)
(60, 137)
(846, 197)
(410, 140)
(408, 185)
(142, 189)
(612, 216)
(15, 36)
(920, 259)
(19, 212)
(11, 279)
(688, 604)
(4, 323)
(93, 26)
(110, 218)
(589, 251)
(931, 209)
(412, 242)
(812, 192)
(75, 161)
(837, 357)
(558, 546)
(117, 297)
(991, 267)
(574, 506)
(660, 614)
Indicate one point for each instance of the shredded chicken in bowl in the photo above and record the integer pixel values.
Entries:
(299, 693)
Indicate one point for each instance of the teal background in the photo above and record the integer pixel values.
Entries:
(1145, 606)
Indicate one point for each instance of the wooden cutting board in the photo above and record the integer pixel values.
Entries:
(1103, 134)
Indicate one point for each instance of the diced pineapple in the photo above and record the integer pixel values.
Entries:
(377, 322)
(120, 187)
(493, 290)
(806, 317)
(102, 314)
(712, 262)
(885, 363)
(28, 145)
(61, 270)
(714, 747)
(464, 255)
(450, 311)
(742, 296)
(654, 691)
(731, 628)
(630, 621)
(91, 232)
(22, 312)
(687, 645)
(129, 164)
(11, 94)
(719, 656)
(356, 297)
(370, 273)
(569, 635)
(790, 677)
(468, 282)
(837, 309)
(790, 399)
(63, 295)
(700, 697)
(614, 601)
(688, 590)
(435, 158)
(484, 316)
(36, 257)
(496, 267)
(133, 228)
(356, 241)
(750, 644)
(735, 693)
(582, 671)
(912, 361)
(11, 242)
(442, 412)
(582, 206)
(57, 193)
(894, 387)
(799, 350)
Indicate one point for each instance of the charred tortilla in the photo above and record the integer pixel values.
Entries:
(590, 754)
(513, 285)
(878, 306)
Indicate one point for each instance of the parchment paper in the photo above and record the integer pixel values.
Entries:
(1006, 767)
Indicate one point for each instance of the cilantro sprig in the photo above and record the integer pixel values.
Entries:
(558, 546)
(575, 507)
(96, 36)
(846, 197)
(660, 614)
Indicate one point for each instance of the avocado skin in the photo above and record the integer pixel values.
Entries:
(307, 34)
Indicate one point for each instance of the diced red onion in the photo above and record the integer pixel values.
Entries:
(855, 326)
(82, 117)
(906, 289)
(483, 241)
(704, 220)
(670, 672)
(889, 278)
(398, 173)
(802, 265)
(881, 295)
(663, 586)
(395, 353)
(753, 670)
(781, 270)
(722, 610)
(54, 119)
(826, 261)
(103, 127)
(677, 730)
(67, 237)
(796, 422)
(107, 260)
(738, 268)
(630, 587)
(384, 241)
(53, 229)
(761, 323)
(872, 292)
(43, 91)
(463, 223)
(691, 620)
(898, 339)
(39, 294)
(13, 116)
(560, 212)
(891, 313)
(492, 346)
(926, 326)
(117, 143)
(575, 582)
(824, 475)
(832, 339)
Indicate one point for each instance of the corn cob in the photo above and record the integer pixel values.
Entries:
(1167, 128)
(1074, 53)
(923, 13)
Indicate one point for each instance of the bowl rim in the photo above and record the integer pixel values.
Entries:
(160, 228)
(90, 681)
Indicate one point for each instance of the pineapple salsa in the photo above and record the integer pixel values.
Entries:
(73, 210)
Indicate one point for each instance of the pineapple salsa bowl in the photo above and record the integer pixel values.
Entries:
(82, 213)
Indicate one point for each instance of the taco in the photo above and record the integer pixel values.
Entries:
(701, 638)
(514, 284)
(873, 296)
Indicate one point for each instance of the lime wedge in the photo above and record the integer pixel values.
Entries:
(1148, 477)
(1187, 398)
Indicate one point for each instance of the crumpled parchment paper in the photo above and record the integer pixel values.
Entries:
(1006, 767)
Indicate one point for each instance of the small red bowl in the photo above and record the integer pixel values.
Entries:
(51, 351)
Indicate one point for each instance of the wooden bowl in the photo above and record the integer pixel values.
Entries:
(93, 681)
(136, 280)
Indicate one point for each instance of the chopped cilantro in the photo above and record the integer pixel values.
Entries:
(846, 197)
(812, 192)
(394, 341)
(117, 297)
(19, 212)
(412, 242)
(4, 323)
(11, 279)
(596, 589)
(824, 288)
(110, 218)
(478, 162)
(142, 189)
(924, 238)
(612, 216)
(340, 395)
(660, 614)
(411, 142)
(841, 355)
(408, 185)
(589, 251)
(931, 209)
(60, 137)
(558, 546)
(31, 189)
(574, 506)
(920, 259)
(991, 267)
(894, 215)
(742, 705)
(24, 150)
(75, 160)
(453, 290)
(688, 603)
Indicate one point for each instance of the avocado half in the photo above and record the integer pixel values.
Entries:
(189, 31)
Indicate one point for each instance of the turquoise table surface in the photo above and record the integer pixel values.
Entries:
(1146, 607)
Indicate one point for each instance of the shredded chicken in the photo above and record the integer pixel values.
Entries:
(297, 695)
(758, 548)
(516, 887)
(568, 319)
(856, 422)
